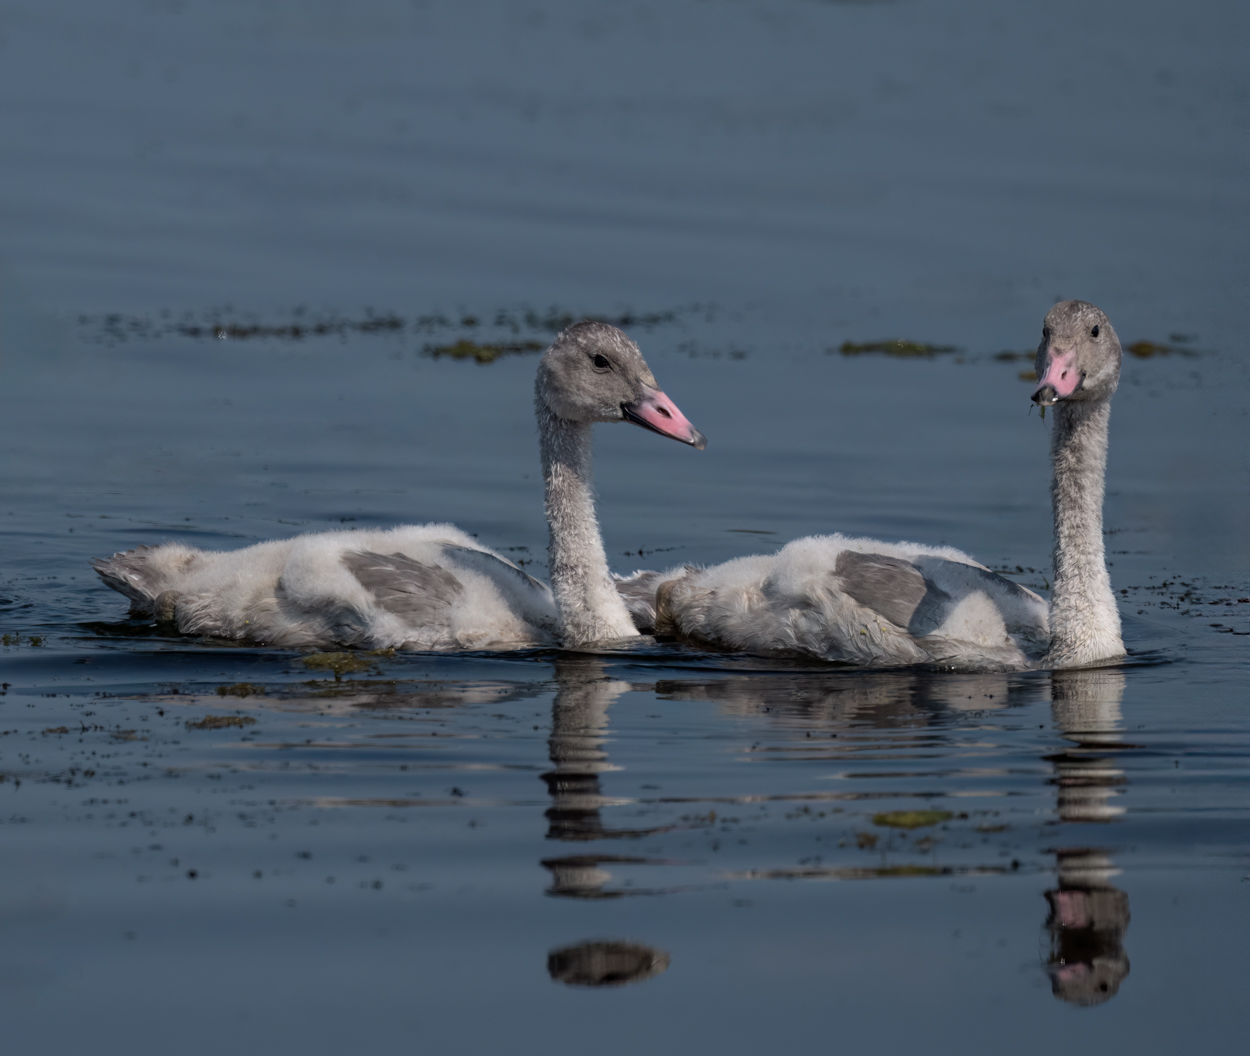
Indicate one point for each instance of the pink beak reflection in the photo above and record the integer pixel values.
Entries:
(657, 412)
(1061, 379)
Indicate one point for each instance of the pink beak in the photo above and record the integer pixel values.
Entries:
(1061, 378)
(657, 412)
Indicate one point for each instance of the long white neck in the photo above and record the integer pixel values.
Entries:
(1084, 620)
(590, 607)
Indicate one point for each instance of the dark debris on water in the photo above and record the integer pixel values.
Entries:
(227, 324)
(221, 722)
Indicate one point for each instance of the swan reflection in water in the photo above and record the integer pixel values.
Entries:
(605, 963)
(1088, 915)
(579, 722)
(874, 700)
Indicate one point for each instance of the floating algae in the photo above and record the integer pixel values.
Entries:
(221, 722)
(346, 663)
(226, 324)
(898, 348)
(464, 349)
(240, 689)
(911, 819)
(1150, 349)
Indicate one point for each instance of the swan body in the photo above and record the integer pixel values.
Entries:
(876, 604)
(428, 586)
(431, 586)
(861, 602)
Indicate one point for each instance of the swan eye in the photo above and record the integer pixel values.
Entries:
(601, 363)
(1094, 332)
(1046, 333)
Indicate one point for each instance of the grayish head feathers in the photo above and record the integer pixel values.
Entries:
(1082, 335)
(590, 371)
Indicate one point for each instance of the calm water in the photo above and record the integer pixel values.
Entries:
(654, 849)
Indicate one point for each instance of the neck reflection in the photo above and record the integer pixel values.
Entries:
(579, 724)
(1088, 915)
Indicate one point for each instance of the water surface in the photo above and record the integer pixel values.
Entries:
(240, 246)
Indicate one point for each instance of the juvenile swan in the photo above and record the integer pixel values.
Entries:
(431, 586)
(875, 604)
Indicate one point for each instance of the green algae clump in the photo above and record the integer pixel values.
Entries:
(240, 689)
(220, 722)
(346, 663)
(898, 348)
(911, 819)
(464, 349)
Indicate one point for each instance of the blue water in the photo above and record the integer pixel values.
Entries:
(447, 852)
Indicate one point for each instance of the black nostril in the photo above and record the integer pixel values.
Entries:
(664, 412)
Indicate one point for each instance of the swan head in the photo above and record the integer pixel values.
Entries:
(594, 373)
(1079, 357)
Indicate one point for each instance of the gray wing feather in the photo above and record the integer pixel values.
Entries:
(894, 588)
(956, 574)
(419, 593)
(493, 565)
(1024, 612)
(918, 595)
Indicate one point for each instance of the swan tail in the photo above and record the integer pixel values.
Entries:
(144, 574)
(640, 590)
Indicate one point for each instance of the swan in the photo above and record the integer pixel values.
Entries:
(874, 604)
(431, 586)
